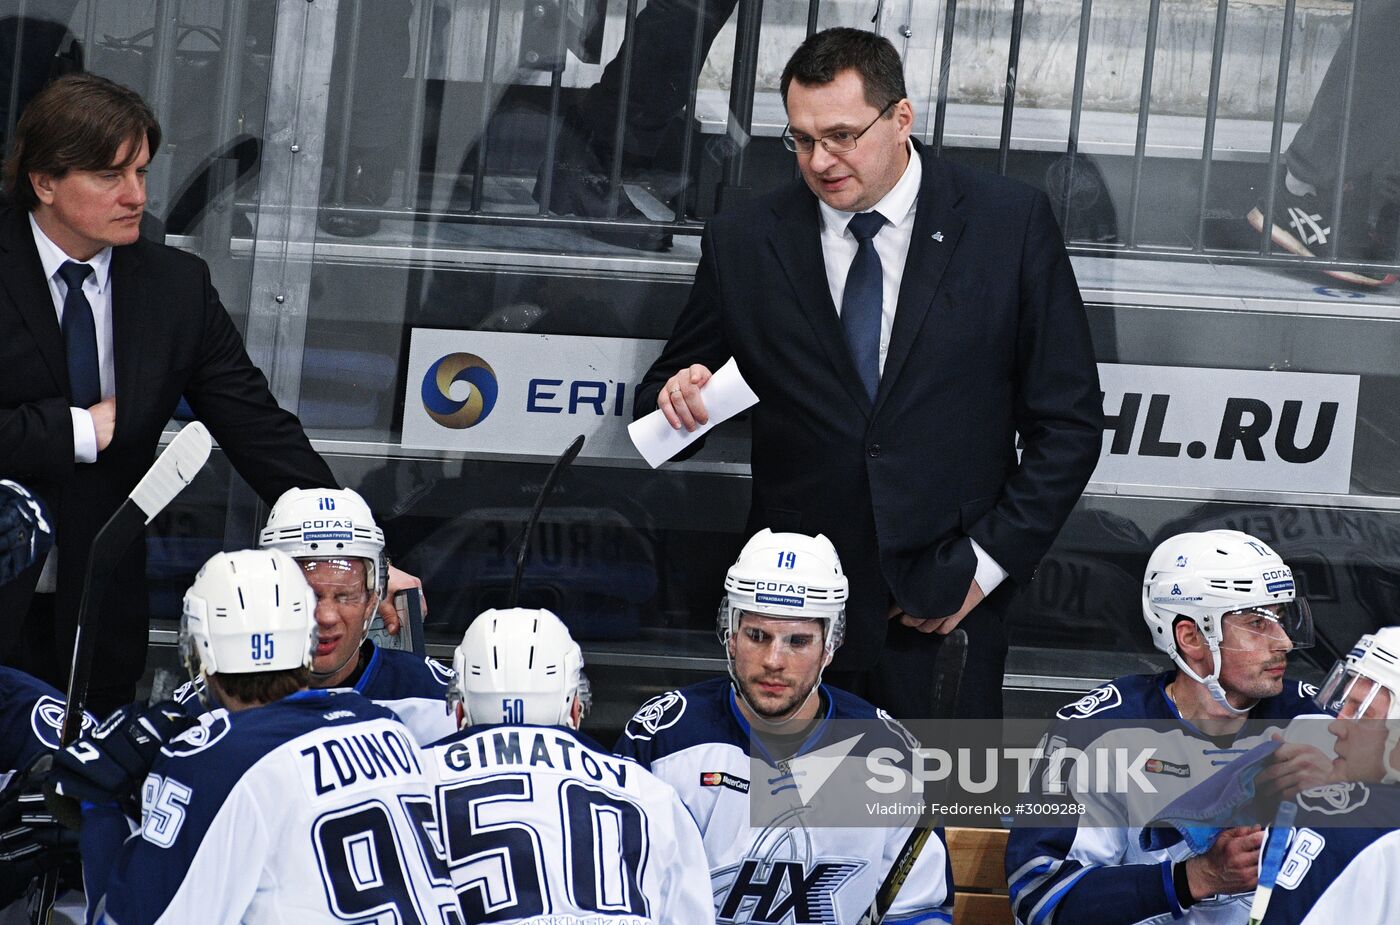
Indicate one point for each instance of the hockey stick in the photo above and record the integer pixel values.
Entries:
(947, 680)
(1273, 859)
(175, 468)
(171, 472)
(560, 465)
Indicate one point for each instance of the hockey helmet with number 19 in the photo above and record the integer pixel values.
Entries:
(518, 665)
(786, 575)
(328, 523)
(1207, 577)
(248, 611)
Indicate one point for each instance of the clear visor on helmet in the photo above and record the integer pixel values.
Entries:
(789, 635)
(1249, 627)
(346, 582)
(1351, 695)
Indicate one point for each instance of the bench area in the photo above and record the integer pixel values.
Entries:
(979, 870)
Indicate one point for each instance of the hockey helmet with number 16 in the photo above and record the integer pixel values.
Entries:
(248, 611)
(518, 665)
(786, 575)
(1207, 577)
(328, 523)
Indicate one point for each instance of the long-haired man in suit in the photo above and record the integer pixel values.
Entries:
(902, 320)
(101, 332)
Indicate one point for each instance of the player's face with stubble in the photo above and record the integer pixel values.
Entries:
(777, 662)
(1254, 653)
(343, 604)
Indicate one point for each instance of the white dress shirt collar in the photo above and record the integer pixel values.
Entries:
(52, 257)
(895, 205)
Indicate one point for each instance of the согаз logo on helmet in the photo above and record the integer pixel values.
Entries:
(437, 390)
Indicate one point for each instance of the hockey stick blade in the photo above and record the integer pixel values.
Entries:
(560, 464)
(947, 681)
(171, 472)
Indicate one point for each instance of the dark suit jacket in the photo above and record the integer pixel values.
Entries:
(171, 336)
(989, 340)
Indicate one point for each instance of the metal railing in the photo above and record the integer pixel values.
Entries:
(733, 176)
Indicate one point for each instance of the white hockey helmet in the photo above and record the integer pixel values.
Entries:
(248, 611)
(518, 665)
(1372, 664)
(328, 523)
(788, 575)
(1203, 577)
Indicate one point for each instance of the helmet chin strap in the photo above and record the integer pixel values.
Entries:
(1212, 681)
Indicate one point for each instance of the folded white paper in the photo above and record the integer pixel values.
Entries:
(725, 395)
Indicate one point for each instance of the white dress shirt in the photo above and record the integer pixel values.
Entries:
(892, 244)
(97, 287)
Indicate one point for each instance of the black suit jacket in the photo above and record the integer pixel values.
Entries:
(990, 340)
(171, 336)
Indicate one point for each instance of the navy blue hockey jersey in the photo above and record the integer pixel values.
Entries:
(309, 809)
(1098, 874)
(413, 686)
(781, 871)
(1333, 874)
(31, 720)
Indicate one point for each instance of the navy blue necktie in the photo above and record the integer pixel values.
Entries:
(80, 338)
(861, 302)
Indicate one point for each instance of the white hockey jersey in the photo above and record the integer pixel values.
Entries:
(540, 825)
(314, 808)
(413, 686)
(783, 872)
(1097, 872)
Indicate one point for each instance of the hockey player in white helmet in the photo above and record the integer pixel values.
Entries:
(781, 620)
(287, 805)
(332, 535)
(1223, 605)
(538, 820)
(1344, 846)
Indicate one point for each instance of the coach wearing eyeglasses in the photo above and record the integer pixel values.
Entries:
(902, 319)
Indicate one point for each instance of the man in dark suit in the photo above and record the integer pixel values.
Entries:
(101, 332)
(890, 425)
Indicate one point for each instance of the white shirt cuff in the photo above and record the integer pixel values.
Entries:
(989, 574)
(85, 436)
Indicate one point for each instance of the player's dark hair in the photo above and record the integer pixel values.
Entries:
(826, 54)
(258, 687)
(77, 122)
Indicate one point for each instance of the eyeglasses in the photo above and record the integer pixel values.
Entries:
(834, 143)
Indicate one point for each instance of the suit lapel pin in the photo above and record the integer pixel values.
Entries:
(938, 236)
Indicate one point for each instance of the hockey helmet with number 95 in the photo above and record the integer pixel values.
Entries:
(248, 611)
(328, 523)
(786, 575)
(1216, 577)
(516, 666)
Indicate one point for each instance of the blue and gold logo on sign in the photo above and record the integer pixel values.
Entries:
(437, 390)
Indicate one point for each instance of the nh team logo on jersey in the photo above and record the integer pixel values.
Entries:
(656, 714)
(437, 390)
(441, 672)
(1334, 799)
(1096, 701)
(212, 727)
(781, 882)
(46, 719)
